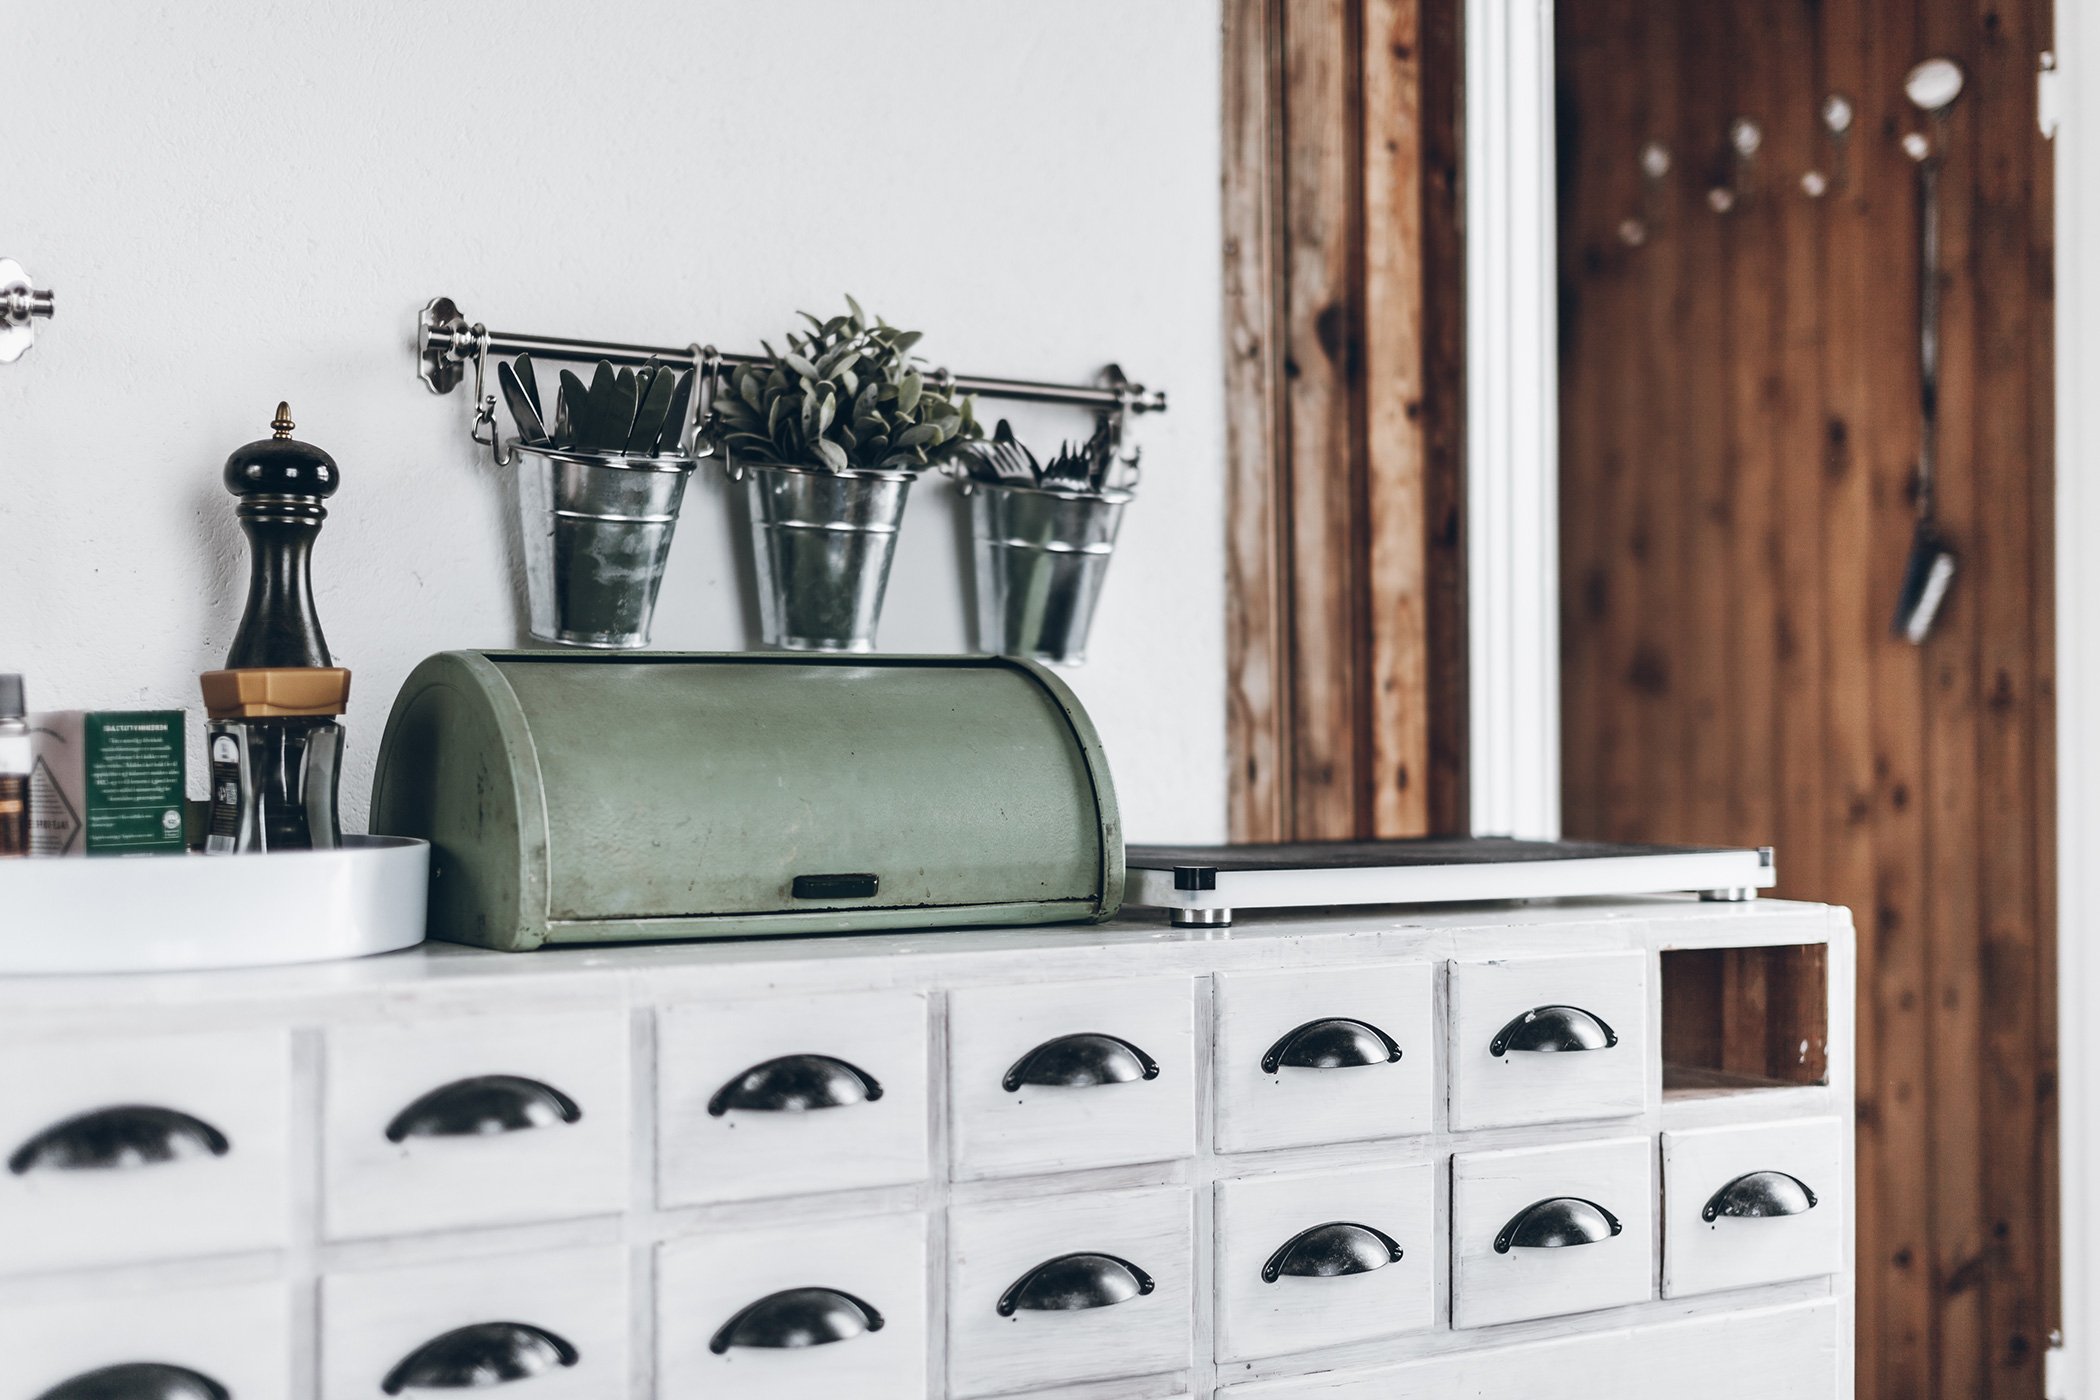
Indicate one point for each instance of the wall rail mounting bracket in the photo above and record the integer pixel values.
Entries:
(22, 305)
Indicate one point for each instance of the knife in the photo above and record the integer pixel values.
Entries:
(596, 406)
(530, 428)
(573, 420)
(675, 416)
(612, 416)
(649, 417)
(531, 381)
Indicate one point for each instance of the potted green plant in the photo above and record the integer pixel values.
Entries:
(827, 437)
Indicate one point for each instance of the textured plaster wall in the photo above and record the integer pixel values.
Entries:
(238, 203)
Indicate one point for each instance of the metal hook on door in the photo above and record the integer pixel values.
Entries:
(1931, 87)
(1745, 138)
(1655, 168)
(1836, 115)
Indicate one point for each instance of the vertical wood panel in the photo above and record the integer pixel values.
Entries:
(1955, 829)
(1591, 251)
(2000, 48)
(1899, 980)
(2039, 353)
(1733, 553)
(1257, 617)
(1694, 517)
(1649, 464)
(1395, 445)
(1322, 364)
(1346, 551)
(1846, 514)
(1440, 27)
(1801, 283)
(1749, 709)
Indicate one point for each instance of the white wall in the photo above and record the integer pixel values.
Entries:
(238, 203)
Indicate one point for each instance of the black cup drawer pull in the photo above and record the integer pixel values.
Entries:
(798, 1317)
(1334, 1043)
(138, 1380)
(1333, 1250)
(1081, 1061)
(484, 1105)
(1558, 1222)
(1760, 1196)
(796, 1084)
(484, 1353)
(108, 1139)
(1072, 1282)
(1554, 1028)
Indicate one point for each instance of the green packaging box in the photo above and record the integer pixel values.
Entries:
(106, 782)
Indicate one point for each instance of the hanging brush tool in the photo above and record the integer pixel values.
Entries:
(1932, 87)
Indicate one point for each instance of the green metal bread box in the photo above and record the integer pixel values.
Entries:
(583, 798)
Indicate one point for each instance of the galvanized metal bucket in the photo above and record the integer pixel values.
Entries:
(597, 529)
(823, 542)
(1042, 556)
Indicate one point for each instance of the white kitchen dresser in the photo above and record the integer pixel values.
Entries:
(1321, 1157)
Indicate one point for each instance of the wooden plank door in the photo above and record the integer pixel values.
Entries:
(1740, 400)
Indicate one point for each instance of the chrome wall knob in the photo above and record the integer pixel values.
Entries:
(22, 305)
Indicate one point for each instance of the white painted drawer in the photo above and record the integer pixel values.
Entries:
(1555, 1192)
(1125, 1049)
(557, 1318)
(142, 1149)
(1497, 1008)
(474, 1120)
(804, 1312)
(1756, 1183)
(1336, 1055)
(1306, 1260)
(1001, 1338)
(788, 1096)
(236, 1337)
(1785, 1353)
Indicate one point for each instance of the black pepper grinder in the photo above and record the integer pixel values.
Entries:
(274, 746)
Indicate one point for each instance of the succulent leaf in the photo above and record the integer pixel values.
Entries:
(845, 394)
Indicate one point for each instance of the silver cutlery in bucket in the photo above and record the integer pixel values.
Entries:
(597, 489)
(1043, 534)
(1042, 556)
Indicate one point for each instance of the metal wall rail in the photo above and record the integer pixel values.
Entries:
(446, 343)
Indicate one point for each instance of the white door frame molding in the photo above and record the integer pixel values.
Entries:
(1512, 420)
(2077, 684)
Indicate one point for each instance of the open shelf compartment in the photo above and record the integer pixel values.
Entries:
(1741, 1020)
